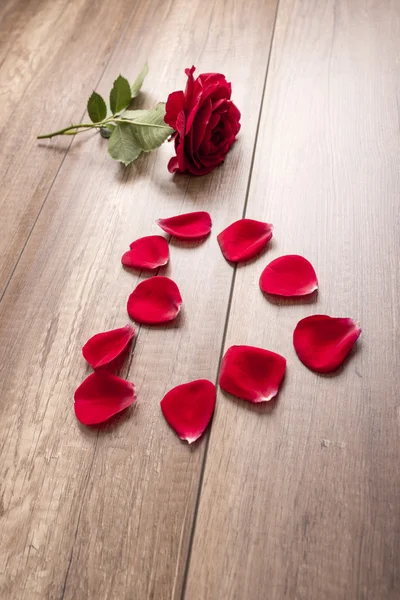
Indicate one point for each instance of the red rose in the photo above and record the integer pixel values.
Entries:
(206, 123)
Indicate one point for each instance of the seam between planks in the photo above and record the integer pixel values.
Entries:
(28, 237)
(246, 200)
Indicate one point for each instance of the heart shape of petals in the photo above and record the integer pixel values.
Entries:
(244, 239)
(322, 342)
(290, 275)
(155, 300)
(251, 373)
(148, 252)
(101, 396)
(190, 226)
(188, 408)
(104, 347)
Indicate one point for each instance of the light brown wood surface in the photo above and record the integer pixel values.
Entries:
(299, 500)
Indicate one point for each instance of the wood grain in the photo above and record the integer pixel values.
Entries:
(107, 513)
(52, 54)
(301, 499)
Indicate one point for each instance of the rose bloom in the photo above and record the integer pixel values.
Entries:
(206, 123)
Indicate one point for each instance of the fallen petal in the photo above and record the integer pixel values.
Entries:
(290, 275)
(251, 373)
(101, 396)
(148, 252)
(190, 226)
(104, 347)
(244, 239)
(322, 343)
(155, 300)
(188, 408)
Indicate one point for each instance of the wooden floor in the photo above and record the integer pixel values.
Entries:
(300, 501)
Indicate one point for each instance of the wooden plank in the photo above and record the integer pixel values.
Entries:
(24, 32)
(89, 513)
(52, 54)
(301, 499)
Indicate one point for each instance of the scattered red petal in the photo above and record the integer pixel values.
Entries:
(322, 343)
(188, 408)
(290, 275)
(251, 373)
(148, 252)
(190, 226)
(104, 347)
(244, 239)
(155, 300)
(101, 396)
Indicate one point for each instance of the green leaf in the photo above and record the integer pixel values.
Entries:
(96, 108)
(120, 95)
(106, 132)
(137, 84)
(131, 115)
(122, 145)
(150, 129)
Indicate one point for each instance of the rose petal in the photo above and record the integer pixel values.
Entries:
(207, 79)
(101, 396)
(104, 347)
(290, 275)
(251, 373)
(189, 226)
(181, 124)
(148, 252)
(202, 95)
(203, 118)
(190, 83)
(322, 343)
(174, 105)
(244, 239)
(188, 408)
(235, 115)
(173, 164)
(155, 300)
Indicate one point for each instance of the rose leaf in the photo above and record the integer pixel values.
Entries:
(120, 95)
(122, 145)
(96, 107)
(137, 84)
